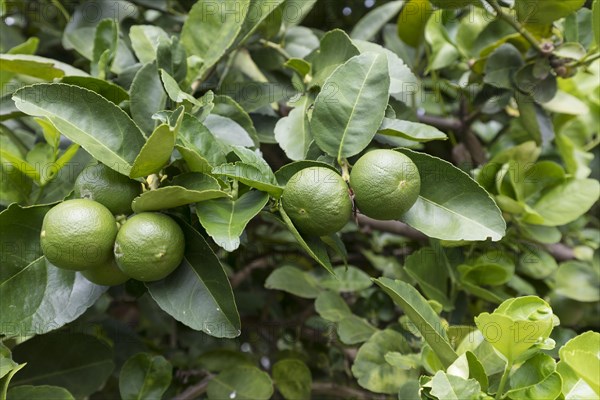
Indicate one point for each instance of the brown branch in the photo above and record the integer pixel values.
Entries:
(345, 392)
(196, 390)
(242, 275)
(561, 252)
(442, 123)
(397, 227)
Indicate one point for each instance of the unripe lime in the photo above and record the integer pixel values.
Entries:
(386, 184)
(78, 234)
(108, 187)
(149, 246)
(108, 274)
(316, 199)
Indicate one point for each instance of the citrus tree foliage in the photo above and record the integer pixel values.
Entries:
(487, 287)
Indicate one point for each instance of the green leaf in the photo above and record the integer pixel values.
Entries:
(225, 219)
(426, 267)
(175, 93)
(227, 107)
(537, 263)
(501, 65)
(259, 12)
(293, 131)
(353, 330)
(42, 392)
(351, 106)
(82, 370)
(451, 387)
(412, 21)
(250, 175)
(228, 131)
(38, 297)
(211, 28)
(371, 369)
(144, 376)
(293, 379)
(346, 279)
(293, 280)
(156, 153)
(106, 89)
(36, 66)
(443, 51)
(468, 366)
(314, 246)
(574, 387)
(517, 326)
(147, 96)
(493, 268)
(536, 379)
(145, 40)
(596, 21)
(375, 20)
(171, 58)
(194, 188)
(6, 362)
(578, 281)
(566, 202)
(105, 46)
(451, 206)
(582, 354)
(195, 136)
(421, 315)
(241, 383)
(544, 12)
(535, 120)
(335, 49)
(81, 115)
(4, 382)
(221, 359)
(411, 130)
(541, 90)
(198, 293)
(332, 307)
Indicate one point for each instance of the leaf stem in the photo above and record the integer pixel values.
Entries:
(500, 13)
(503, 381)
(62, 10)
(345, 169)
(277, 47)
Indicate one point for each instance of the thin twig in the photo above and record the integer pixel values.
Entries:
(442, 123)
(397, 227)
(240, 276)
(196, 390)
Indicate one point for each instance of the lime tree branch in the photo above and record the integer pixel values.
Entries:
(500, 13)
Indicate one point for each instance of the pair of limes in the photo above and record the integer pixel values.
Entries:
(386, 184)
(83, 234)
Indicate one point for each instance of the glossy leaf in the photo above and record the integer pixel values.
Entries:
(443, 50)
(293, 131)
(211, 28)
(42, 392)
(293, 379)
(421, 315)
(351, 106)
(38, 296)
(451, 206)
(374, 20)
(242, 383)
(582, 354)
(147, 96)
(501, 65)
(293, 280)
(79, 114)
(536, 379)
(411, 130)
(38, 67)
(335, 49)
(574, 387)
(144, 376)
(145, 40)
(198, 293)
(372, 370)
(82, 370)
(451, 387)
(544, 12)
(106, 89)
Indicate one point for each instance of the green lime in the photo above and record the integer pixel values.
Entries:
(108, 274)
(78, 234)
(108, 187)
(149, 246)
(386, 184)
(316, 199)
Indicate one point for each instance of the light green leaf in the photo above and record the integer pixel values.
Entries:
(198, 293)
(582, 354)
(82, 370)
(536, 379)
(578, 281)
(147, 96)
(451, 205)
(204, 188)
(37, 296)
(374, 20)
(574, 387)
(371, 369)
(293, 280)
(596, 21)
(544, 12)
(195, 136)
(105, 46)
(225, 219)
(228, 131)
(293, 379)
(81, 115)
(145, 40)
(38, 67)
(537, 263)
(293, 131)
(42, 392)
(421, 315)
(449, 387)
(443, 51)
(211, 28)
(353, 330)
(566, 202)
(411, 130)
(227, 107)
(332, 307)
(241, 383)
(346, 279)
(351, 106)
(493, 268)
(144, 376)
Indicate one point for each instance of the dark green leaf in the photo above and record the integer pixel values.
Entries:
(427, 268)
(198, 293)
(544, 12)
(336, 48)
(106, 89)
(293, 379)
(42, 392)
(147, 96)
(144, 376)
(81, 115)
(351, 106)
(82, 370)
(36, 66)
(501, 65)
(241, 383)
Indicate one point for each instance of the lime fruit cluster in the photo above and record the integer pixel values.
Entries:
(317, 200)
(386, 184)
